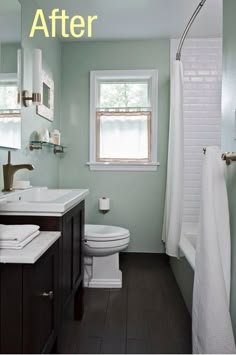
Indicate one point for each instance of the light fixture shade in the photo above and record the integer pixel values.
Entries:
(19, 75)
(37, 77)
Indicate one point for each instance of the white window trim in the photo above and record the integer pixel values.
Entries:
(99, 75)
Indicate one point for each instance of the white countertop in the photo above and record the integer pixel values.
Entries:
(41, 201)
(32, 251)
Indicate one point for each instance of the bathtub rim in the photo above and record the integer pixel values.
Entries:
(187, 248)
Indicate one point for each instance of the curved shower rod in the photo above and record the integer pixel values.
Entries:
(196, 12)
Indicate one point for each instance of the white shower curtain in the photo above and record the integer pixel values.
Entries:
(175, 171)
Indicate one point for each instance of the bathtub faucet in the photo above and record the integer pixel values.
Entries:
(9, 170)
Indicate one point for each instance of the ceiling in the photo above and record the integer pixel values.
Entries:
(130, 19)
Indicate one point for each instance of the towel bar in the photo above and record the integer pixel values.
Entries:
(227, 157)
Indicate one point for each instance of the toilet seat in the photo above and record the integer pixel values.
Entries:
(113, 244)
(104, 234)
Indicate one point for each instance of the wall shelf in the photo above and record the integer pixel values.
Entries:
(37, 145)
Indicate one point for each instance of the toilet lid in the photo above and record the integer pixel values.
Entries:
(104, 233)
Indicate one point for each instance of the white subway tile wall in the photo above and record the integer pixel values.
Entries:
(202, 62)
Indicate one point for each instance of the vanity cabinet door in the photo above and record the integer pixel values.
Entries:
(73, 229)
(78, 231)
(11, 280)
(67, 257)
(40, 303)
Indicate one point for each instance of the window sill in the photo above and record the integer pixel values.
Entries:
(123, 167)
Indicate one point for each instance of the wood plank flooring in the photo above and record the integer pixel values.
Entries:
(147, 315)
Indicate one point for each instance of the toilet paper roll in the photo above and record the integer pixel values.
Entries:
(104, 204)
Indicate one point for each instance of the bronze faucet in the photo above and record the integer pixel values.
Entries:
(9, 170)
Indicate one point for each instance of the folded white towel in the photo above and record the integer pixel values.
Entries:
(18, 245)
(17, 232)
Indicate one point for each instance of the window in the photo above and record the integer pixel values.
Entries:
(123, 120)
(8, 98)
(10, 113)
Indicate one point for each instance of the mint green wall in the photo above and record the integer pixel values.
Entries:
(137, 198)
(8, 55)
(228, 128)
(46, 164)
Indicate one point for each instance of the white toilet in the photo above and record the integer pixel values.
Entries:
(102, 245)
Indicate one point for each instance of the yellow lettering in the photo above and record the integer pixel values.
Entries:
(53, 18)
(63, 24)
(90, 25)
(74, 25)
(43, 27)
(78, 24)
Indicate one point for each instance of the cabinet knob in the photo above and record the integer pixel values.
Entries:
(48, 295)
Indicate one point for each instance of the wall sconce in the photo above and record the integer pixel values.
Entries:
(36, 97)
(19, 75)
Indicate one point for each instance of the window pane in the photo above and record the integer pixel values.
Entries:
(9, 131)
(124, 137)
(124, 95)
(8, 98)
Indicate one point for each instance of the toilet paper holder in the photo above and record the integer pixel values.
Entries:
(104, 204)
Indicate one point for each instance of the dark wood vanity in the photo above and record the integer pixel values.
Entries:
(34, 298)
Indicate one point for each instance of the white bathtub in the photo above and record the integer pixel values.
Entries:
(187, 243)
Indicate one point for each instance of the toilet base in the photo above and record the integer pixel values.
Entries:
(102, 272)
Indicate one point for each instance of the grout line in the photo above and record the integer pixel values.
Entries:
(100, 346)
(106, 312)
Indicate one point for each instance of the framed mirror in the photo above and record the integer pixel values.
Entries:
(46, 110)
(10, 43)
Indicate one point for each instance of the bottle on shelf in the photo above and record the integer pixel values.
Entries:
(56, 137)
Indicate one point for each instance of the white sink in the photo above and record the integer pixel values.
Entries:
(41, 201)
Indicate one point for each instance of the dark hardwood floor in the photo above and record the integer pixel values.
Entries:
(147, 315)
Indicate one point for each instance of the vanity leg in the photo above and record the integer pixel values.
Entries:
(79, 303)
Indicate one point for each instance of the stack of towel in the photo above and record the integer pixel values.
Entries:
(17, 236)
